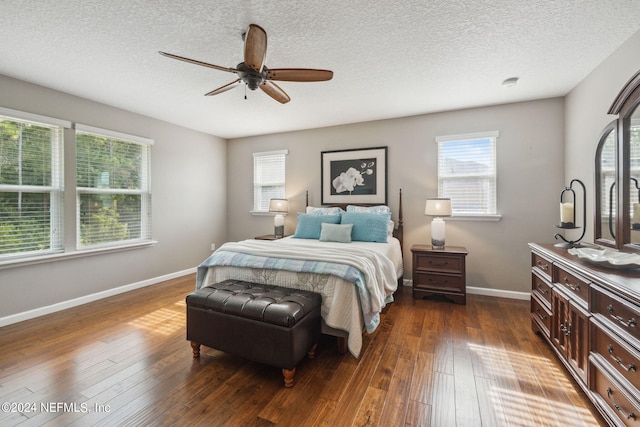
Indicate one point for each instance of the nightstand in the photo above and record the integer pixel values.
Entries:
(267, 237)
(440, 272)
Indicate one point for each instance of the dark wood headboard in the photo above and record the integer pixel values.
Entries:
(398, 232)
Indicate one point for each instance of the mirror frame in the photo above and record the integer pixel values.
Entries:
(598, 239)
(624, 106)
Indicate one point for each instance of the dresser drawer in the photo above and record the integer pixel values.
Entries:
(443, 282)
(540, 287)
(619, 404)
(542, 264)
(541, 315)
(617, 353)
(617, 312)
(577, 286)
(441, 263)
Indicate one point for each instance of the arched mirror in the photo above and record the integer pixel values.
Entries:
(605, 206)
(634, 175)
(627, 185)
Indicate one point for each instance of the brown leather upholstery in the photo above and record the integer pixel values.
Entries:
(264, 323)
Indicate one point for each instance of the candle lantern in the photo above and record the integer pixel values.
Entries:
(568, 214)
(635, 216)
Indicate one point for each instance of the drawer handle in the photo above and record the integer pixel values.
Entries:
(542, 266)
(631, 323)
(542, 291)
(630, 368)
(565, 329)
(574, 288)
(629, 416)
(438, 264)
(541, 316)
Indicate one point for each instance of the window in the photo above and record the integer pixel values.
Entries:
(31, 184)
(467, 173)
(113, 188)
(268, 178)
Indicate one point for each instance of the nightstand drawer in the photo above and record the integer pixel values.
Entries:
(442, 263)
(443, 282)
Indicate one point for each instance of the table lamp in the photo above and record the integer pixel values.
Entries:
(279, 207)
(437, 208)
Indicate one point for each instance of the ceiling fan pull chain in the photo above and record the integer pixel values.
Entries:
(245, 91)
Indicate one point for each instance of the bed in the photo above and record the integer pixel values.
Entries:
(356, 279)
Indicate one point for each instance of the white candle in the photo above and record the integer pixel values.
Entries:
(566, 212)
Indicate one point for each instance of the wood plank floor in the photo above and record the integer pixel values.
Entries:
(125, 361)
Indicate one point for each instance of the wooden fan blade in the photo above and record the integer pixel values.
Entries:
(255, 47)
(299, 75)
(274, 91)
(204, 64)
(224, 88)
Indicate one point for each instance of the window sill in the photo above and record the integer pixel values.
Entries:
(462, 217)
(264, 213)
(21, 262)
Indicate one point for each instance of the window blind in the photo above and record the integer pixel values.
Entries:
(467, 172)
(113, 187)
(268, 178)
(31, 184)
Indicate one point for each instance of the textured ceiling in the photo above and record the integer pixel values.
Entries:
(390, 59)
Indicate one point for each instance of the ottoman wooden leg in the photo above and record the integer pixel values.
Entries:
(288, 376)
(312, 351)
(196, 349)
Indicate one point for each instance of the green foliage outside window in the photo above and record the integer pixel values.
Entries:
(26, 159)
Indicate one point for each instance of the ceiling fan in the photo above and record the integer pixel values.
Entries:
(254, 74)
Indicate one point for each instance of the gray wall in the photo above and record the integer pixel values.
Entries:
(189, 203)
(586, 116)
(530, 177)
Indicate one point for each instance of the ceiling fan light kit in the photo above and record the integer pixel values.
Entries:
(253, 72)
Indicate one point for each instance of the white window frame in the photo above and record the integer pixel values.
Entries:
(279, 180)
(56, 189)
(144, 191)
(489, 177)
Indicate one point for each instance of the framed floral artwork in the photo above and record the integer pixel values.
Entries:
(357, 176)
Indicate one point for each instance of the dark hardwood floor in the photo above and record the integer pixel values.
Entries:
(125, 361)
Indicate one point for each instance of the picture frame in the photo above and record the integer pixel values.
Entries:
(354, 176)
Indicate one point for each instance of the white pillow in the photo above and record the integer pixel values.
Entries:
(323, 211)
(336, 232)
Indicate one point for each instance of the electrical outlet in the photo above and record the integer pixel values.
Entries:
(213, 246)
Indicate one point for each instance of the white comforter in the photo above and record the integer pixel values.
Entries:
(341, 309)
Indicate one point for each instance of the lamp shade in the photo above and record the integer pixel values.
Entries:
(438, 207)
(279, 205)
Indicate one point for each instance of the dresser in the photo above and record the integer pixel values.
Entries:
(439, 272)
(590, 315)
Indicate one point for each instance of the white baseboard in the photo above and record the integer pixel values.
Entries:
(37, 312)
(499, 293)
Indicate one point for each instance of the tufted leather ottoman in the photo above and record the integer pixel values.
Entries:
(267, 324)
